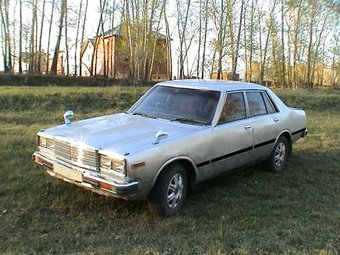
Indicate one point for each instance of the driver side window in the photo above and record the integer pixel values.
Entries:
(234, 108)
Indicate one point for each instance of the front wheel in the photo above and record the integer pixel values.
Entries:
(278, 158)
(168, 194)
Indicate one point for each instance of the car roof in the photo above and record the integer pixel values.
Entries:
(220, 85)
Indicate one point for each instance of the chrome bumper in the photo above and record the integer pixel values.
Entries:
(87, 179)
(304, 133)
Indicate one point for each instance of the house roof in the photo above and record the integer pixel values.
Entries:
(85, 45)
(116, 31)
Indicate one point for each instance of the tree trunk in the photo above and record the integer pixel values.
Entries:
(168, 44)
(220, 40)
(33, 41)
(77, 38)
(82, 37)
(94, 59)
(5, 34)
(40, 38)
(67, 71)
(265, 50)
(47, 71)
(54, 66)
(205, 39)
(309, 54)
(283, 45)
(238, 40)
(182, 30)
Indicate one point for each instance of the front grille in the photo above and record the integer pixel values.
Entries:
(75, 155)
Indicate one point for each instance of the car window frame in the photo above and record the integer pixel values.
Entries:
(225, 98)
(263, 94)
(271, 102)
(181, 117)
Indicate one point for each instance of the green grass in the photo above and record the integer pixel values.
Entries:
(251, 212)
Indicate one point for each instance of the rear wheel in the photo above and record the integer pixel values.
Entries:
(278, 158)
(168, 194)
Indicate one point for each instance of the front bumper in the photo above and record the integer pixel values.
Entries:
(87, 179)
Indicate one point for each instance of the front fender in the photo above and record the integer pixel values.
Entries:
(187, 162)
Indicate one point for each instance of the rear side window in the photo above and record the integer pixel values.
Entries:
(269, 105)
(234, 108)
(259, 104)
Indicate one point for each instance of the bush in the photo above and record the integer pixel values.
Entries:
(67, 81)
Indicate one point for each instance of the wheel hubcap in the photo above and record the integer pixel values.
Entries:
(280, 154)
(175, 191)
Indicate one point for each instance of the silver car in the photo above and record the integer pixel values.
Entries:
(177, 135)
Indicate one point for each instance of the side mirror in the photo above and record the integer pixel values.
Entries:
(160, 135)
(68, 116)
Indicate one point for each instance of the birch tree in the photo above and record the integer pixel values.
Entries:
(186, 34)
(235, 50)
(295, 12)
(267, 29)
(63, 7)
(80, 10)
(20, 36)
(219, 20)
(168, 42)
(93, 68)
(201, 37)
(49, 38)
(283, 60)
(6, 38)
(41, 36)
(33, 42)
(83, 34)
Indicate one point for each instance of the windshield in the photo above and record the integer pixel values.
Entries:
(179, 104)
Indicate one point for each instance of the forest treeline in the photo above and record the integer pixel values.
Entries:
(284, 43)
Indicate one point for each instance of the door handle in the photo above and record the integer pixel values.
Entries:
(276, 120)
(247, 127)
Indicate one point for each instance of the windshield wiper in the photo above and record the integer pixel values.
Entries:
(144, 115)
(190, 120)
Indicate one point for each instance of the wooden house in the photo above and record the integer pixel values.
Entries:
(108, 55)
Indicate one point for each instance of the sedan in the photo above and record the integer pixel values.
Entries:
(177, 135)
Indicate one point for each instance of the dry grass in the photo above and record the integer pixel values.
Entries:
(252, 212)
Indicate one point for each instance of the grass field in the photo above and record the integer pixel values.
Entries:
(252, 212)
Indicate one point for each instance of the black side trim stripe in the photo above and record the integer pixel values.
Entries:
(237, 152)
(264, 143)
(231, 154)
(299, 131)
(203, 163)
(224, 157)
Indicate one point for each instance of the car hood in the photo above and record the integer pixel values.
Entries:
(119, 133)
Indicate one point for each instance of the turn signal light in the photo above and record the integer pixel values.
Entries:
(104, 185)
(139, 164)
(38, 160)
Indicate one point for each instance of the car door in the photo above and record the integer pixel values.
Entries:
(265, 121)
(232, 137)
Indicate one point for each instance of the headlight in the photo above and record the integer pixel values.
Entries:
(42, 141)
(45, 142)
(116, 165)
(105, 162)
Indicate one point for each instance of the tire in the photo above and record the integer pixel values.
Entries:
(278, 157)
(168, 194)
